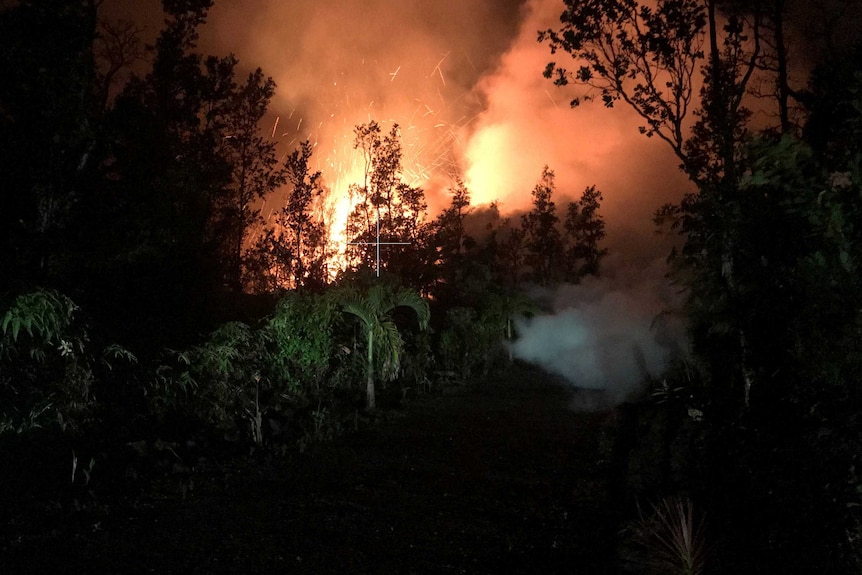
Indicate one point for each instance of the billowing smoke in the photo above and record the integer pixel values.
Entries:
(528, 123)
(346, 62)
(606, 335)
(464, 81)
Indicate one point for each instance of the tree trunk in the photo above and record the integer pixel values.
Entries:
(369, 387)
(781, 55)
(509, 337)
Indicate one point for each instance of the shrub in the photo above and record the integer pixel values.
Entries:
(46, 373)
(219, 383)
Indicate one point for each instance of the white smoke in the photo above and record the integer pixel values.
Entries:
(606, 335)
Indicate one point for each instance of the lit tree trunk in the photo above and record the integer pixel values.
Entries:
(369, 388)
(509, 337)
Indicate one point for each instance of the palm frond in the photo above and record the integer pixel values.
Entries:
(407, 298)
(361, 310)
(390, 345)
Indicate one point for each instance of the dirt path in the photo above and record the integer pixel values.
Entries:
(501, 478)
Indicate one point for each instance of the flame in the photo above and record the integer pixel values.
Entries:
(470, 99)
(429, 161)
(339, 204)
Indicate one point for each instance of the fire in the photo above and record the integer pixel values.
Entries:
(491, 165)
(470, 99)
(339, 204)
(428, 160)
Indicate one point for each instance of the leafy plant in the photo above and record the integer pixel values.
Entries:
(218, 382)
(47, 373)
(44, 316)
(461, 346)
(302, 332)
(501, 310)
(374, 309)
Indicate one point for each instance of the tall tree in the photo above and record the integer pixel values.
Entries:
(255, 172)
(117, 49)
(295, 249)
(769, 257)
(584, 231)
(649, 58)
(542, 237)
(451, 249)
(646, 57)
(182, 165)
(384, 197)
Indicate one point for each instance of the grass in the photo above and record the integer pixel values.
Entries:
(671, 537)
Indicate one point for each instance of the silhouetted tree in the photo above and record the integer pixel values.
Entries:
(293, 253)
(117, 49)
(182, 164)
(542, 237)
(383, 197)
(649, 59)
(254, 167)
(449, 246)
(766, 232)
(584, 231)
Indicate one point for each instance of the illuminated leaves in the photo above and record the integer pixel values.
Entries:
(43, 315)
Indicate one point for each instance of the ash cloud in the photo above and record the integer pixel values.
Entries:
(607, 335)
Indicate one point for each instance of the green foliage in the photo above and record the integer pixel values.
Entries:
(302, 329)
(471, 338)
(222, 382)
(460, 343)
(45, 316)
(47, 369)
(263, 381)
(417, 361)
(46, 377)
(500, 309)
(374, 309)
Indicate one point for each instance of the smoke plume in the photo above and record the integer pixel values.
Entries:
(606, 335)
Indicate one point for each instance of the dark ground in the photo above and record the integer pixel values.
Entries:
(501, 477)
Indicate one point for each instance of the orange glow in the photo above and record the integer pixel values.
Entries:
(471, 102)
(338, 205)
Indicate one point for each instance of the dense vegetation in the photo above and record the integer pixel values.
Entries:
(136, 310)
(761, 424)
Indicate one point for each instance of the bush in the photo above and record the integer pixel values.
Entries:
(46, 372)
(220, 383)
